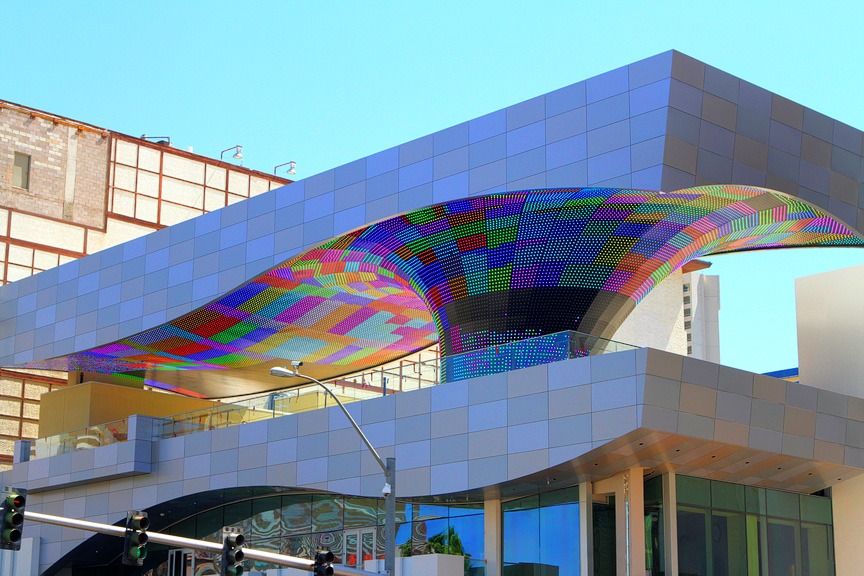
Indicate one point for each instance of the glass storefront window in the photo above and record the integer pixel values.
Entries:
(351, 527)
(727, 529)
(541, 534)
(783, 547)
(296, 514)
(266, 519)
(817, 548)
(326, 512)
(654, 543)
(360, 512)
(521, 537)
(728, 540)
(692, 541)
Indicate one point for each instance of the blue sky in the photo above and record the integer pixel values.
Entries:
(324, 83)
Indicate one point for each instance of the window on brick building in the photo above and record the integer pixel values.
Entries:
(21, 171)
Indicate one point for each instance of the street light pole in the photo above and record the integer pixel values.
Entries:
(388, 467)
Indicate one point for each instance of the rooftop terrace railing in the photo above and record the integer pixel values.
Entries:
(405, 376)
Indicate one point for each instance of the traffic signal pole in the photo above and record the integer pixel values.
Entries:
(181, 542)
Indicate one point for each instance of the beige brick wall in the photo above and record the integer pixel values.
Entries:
(48, 145)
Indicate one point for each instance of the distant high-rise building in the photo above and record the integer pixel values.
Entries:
(680, 315)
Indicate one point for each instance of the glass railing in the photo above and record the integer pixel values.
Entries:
(90, 437)
(402, 376)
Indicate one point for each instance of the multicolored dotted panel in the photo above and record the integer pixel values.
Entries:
(471, 273)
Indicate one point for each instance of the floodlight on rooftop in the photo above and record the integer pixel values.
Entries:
(238, 154)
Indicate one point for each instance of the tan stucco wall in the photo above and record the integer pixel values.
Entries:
(78, 407)
(830, 311)
(848, 502)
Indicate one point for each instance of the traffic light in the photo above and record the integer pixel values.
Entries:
(12, 515)
(323, 563)
(232, 555)
(135, 539)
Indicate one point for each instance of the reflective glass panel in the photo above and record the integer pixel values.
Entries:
(783, 546)
(783, 504)
(816, 509)
(727, 496)
(428, 511)
(728, 543)
(559, 538)
(817, 553)
(326, 513)
(209, 525)
(351, 549)
(367, 545)
(328, 540)
(237, 516)
(360, 512)
(521, 536)
(430, 537)
(266, 519)
(692, 542)
(466, 538)
(604, 537)
(296, 516)
(541, 534)
(695, 491)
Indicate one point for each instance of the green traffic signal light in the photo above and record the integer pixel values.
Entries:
(135, 539)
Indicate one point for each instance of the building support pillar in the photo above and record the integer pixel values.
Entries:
(586, 529)
(670, 524)
(629, 520)
(493, 537)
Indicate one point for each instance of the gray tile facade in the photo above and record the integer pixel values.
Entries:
(489, 431)
(662, 123)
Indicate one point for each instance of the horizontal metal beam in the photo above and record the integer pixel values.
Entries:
(181, 542)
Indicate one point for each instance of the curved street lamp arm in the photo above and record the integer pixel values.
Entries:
(353, 422)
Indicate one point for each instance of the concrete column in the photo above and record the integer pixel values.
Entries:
(492, 537)
(586, 529)
(670, 523)
(634, 498)
(848, 500)
(629, 520)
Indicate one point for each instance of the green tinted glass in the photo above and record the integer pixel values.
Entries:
(727, 496)
(566, 496)
(817, 553)
(693, 491)
(816, 509)
(654, 491)
(755, 500)
(782, 504)
(521, 504)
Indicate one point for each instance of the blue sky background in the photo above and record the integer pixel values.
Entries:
(324, 83)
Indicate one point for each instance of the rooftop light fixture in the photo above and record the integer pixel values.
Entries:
(157, 139)
(238, 155)
(292, 167)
